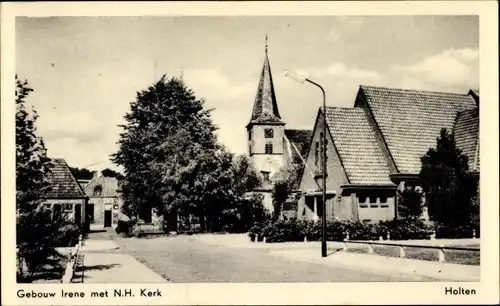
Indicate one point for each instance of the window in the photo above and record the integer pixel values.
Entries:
(316, 153)
(265, 175)
(373, 200)
(97, 190)
(383, 200)
(326, 149)
(269, 148)
(269, 133)
(90, 212)
(361, 199)
(67, 207)
(249, 134)
(56, 213)
(249, 149)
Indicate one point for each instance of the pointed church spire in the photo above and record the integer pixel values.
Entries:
(265, 108)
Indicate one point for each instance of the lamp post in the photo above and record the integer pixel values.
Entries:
(302, 80)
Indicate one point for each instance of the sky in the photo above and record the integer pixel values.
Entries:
(85, 71)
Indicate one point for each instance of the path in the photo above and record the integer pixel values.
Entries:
(104, 262)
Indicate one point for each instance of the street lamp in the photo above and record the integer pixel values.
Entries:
(302, 80)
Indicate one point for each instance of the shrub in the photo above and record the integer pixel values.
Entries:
(67, 236)
(457, 232)
(124, 227)
(36, 236)
(398, 229)
(336, 230)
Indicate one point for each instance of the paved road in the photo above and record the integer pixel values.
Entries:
(185, 259)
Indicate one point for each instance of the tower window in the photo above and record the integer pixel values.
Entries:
(249, 149)
(269, 148)
(269, 133)
(249, 135)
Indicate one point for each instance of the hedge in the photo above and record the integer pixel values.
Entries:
(399, 229)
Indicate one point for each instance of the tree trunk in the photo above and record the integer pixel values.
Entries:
(202, 222)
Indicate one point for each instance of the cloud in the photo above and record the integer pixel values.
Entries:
(213, 85)
(232, 101)
(450, 69)
(340, 70)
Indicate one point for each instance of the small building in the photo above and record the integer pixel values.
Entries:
(105, 201)
(374, 148)
(65, 198)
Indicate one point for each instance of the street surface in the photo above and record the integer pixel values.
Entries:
(184, 259)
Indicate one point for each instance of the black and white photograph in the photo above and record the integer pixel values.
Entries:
(247, 149)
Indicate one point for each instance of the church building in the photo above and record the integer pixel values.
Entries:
(374, 149)
(272, 147)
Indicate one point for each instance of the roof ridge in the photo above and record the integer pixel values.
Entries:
(413, 90)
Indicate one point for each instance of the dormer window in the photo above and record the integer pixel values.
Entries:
(97, 190)
(269, 133)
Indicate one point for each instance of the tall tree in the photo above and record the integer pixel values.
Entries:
(449, 186)
(81, 174)
(35, 232)
(167, 112)
(32, 163)
(112, 173)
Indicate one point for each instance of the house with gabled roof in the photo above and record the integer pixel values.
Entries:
(105, 201)
(272, 147)
(374, 148)
(65, 197)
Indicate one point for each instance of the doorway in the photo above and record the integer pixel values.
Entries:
(107, 218)
(78, 213)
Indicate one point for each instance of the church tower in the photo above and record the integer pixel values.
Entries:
(266, 129)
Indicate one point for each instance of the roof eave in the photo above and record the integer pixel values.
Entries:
(369, 186)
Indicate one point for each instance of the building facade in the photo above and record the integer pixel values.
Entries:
(104, 207)
(374, 149)
(65, 198)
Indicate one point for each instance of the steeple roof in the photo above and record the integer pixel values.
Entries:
(265, 108)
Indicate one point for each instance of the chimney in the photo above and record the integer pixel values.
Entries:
(95, 174)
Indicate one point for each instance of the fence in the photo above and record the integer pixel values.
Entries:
(74, 258)
(402, 253)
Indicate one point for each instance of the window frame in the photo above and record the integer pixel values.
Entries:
(268, 148)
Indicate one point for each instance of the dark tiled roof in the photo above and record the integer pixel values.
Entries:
(410, 120)
(109, 186)
(62, 183)
(300, 140)
(265, 108)
(467, 135)
(297, 144)
(474, 93)
(357, 147)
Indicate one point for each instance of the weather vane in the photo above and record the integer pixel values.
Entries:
(266, 43)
